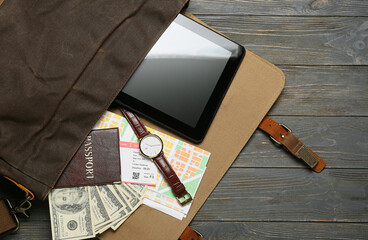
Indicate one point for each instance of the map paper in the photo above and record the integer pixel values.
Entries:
(188, 161)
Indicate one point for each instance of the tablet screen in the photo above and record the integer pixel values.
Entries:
(181, 82)
(179, 74)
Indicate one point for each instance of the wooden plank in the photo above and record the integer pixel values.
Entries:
(341, 142)
(271, 194)
(40, 230)
(298, 40)
(280, 230)
(324, 91)
(280, 7)
(32, 229)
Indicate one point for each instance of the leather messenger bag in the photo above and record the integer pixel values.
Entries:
(62, 63)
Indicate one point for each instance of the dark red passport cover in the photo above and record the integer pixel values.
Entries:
(97, 161)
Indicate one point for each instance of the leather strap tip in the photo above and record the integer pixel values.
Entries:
(320, 166)
(321, 163)
(191, 234)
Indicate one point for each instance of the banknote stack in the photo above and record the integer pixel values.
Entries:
(84, 212)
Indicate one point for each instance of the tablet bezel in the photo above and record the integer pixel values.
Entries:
(197, 133)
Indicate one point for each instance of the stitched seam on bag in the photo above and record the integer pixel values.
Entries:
(20, 171)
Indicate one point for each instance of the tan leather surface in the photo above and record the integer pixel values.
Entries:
(6, 221)
(253, 91)
(1, 2)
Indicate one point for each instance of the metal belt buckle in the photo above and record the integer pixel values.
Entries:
(304, 154)
(8, 219)
(282, 136)
(186, 198)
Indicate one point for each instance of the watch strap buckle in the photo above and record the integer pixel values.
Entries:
(185, 199)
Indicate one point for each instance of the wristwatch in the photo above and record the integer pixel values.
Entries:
(151, 146)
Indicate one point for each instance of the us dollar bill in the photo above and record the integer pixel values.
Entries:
(123, 199)
(111, 200)
(141, 189)
(134, 200)
(118, 224)
(137, 189)
(99, 213)
(122, 213)
(71, 213)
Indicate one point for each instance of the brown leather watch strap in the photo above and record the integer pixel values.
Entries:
(138, 127)
(191, 234)
(170, 175)
(161, 162)
(283, 136)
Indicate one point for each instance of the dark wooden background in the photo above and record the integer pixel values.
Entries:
(322, 47)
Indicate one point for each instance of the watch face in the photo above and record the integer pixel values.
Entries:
(151, 145)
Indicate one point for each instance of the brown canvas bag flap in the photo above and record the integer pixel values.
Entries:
(254, 89)
(62, 63)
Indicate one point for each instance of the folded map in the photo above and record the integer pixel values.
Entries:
(188, 161)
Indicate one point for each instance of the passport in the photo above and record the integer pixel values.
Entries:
(96, 162)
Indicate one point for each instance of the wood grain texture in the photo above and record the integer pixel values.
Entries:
(32, 230)
(280, 230)
(323, 91)
(342, 142)
(322, 47)
(298, 40)
(272, 194)
(280, 7)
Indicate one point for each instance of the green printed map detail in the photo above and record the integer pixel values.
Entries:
(190, 186)
(203, 162)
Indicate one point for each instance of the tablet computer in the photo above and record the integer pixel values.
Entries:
(181, 82)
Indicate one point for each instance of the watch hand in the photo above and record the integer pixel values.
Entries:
(153, 145)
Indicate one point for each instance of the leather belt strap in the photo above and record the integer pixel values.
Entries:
(283, 136)
(191, 234)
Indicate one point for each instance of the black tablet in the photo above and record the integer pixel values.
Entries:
(181, 82)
